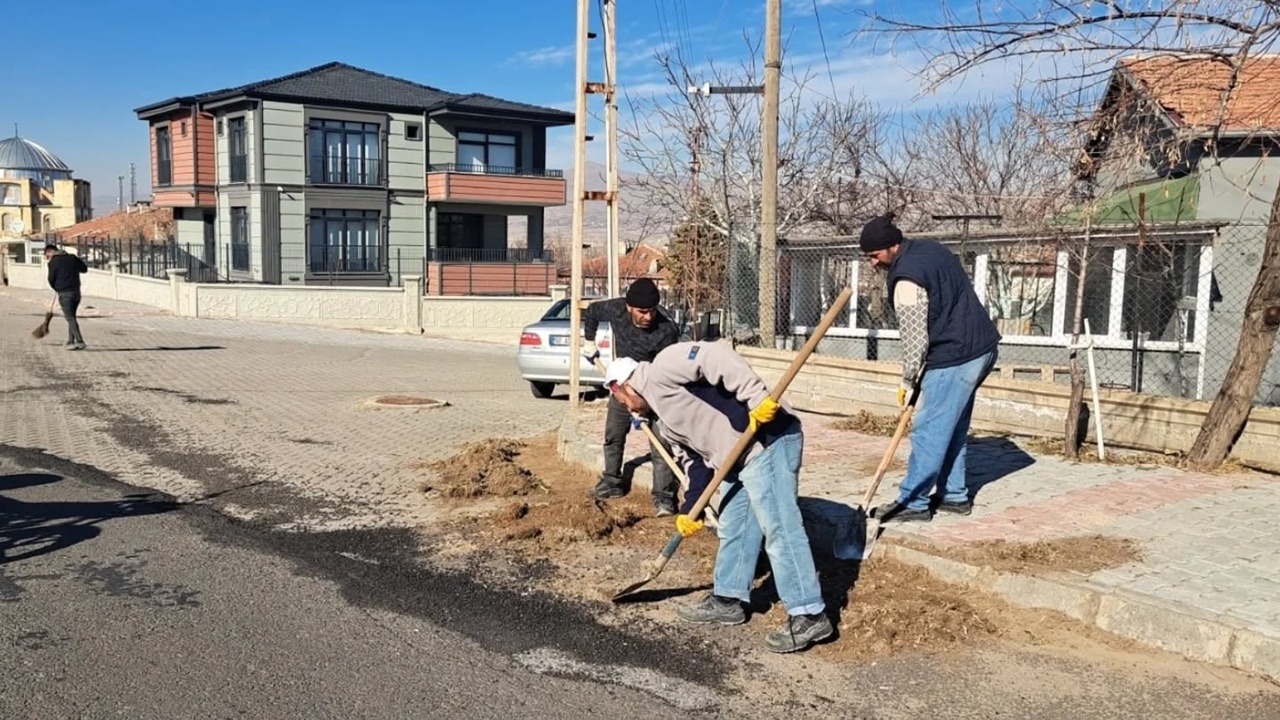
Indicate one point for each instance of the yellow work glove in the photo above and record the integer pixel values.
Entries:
(902, 396)
(763, 413)
(687, 526)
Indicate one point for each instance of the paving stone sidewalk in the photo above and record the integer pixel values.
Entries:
(1211, 542)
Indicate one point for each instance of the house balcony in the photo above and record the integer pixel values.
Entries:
(479, 184)
(489, 271)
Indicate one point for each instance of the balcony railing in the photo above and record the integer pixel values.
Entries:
(352, 171)
(490, 255)
(494, 170)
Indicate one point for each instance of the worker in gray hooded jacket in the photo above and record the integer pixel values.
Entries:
(708, 396)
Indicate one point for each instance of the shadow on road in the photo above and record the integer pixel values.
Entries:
(31, 529)
(992, 458)
(160, 348)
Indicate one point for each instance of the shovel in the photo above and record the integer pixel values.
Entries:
(656, 566)
(863, 516)
(43, 328)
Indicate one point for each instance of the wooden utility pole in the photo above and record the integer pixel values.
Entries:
(769, 173)
(579, 203)
(611, 134)
(580, 193)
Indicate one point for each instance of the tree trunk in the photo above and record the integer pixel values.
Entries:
(1071, 431)
(1230, 410)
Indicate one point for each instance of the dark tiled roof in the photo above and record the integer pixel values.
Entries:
(341, 83)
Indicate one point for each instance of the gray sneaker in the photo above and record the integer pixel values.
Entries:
(664, 506)
(713, 609)
(799, 632)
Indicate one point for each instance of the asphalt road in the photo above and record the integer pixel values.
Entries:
(115, 603)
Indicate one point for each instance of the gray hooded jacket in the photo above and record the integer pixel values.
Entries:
(703, 393)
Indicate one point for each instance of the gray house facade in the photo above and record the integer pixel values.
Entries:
(339, 175)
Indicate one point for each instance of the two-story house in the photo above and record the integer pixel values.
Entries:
(339, 175)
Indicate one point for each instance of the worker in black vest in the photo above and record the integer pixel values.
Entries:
(640, 330)
(946, 331)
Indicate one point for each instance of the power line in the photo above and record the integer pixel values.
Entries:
(827, 58)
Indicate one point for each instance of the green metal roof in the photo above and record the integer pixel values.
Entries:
(1167, 201)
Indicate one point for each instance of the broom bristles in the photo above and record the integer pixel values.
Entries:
(44, 327)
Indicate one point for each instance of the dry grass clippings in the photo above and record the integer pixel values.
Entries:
(1082, 554)
(868, 424)
(894, 607)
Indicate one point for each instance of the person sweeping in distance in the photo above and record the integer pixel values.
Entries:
(64, 277)
(946, 332)
(707, 396)
(640, 330)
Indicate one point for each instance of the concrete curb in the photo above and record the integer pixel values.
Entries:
(1194, 634)
(1160, 624)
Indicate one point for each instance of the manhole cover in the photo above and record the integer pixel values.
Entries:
(405, 401)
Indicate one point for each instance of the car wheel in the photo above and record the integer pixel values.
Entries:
(541, 389)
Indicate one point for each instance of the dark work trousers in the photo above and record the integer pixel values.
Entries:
(617, 424)
(70, 301)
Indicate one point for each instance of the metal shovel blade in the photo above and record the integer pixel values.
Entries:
(655, 568)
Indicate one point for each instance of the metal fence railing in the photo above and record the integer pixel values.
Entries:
(1164, 305)
(474, 169)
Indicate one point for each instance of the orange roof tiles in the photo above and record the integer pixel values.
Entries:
(642, 261)
(148, 224)
(1191, 89)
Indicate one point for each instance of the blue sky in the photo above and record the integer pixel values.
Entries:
(76, 95)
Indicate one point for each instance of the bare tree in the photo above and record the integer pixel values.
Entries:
(700, 158)
(1076, 44)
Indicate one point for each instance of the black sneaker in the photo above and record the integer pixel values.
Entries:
(607, 489)
(713, 610)
(799, 632)
(957, 508)
(663, 506)
(893, 512)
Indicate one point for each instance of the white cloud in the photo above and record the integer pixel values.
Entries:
(550, 55)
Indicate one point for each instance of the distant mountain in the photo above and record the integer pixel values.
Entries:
(558, 221)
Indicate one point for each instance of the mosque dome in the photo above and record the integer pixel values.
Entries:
(22, 158)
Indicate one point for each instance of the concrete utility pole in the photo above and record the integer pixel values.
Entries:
(133, 185)
(611, 133)
(769, 173)
(120, 194)
(579, 203)
(580, 194)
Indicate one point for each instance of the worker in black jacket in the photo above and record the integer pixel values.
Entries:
(640, 330)
(64, 278)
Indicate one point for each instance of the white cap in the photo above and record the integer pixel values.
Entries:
(619, 371)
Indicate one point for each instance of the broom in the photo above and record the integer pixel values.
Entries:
(48, 318)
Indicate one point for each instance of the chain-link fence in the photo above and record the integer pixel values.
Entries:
(1161, 305)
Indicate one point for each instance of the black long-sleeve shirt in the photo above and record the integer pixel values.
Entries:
(64, 272)
(630, 341)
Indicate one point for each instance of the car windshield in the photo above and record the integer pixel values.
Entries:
(558, 311)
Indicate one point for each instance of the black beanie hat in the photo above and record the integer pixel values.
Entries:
(879, 234)
(643, 294)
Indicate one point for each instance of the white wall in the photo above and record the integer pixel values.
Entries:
(488, 319)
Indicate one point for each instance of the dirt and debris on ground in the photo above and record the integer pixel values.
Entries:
(484, 469)
(1121, 456)
(868, 424)
(532, 506)
(1078, 553)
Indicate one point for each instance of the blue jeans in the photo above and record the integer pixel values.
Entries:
(760, 505)
(940, 433)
